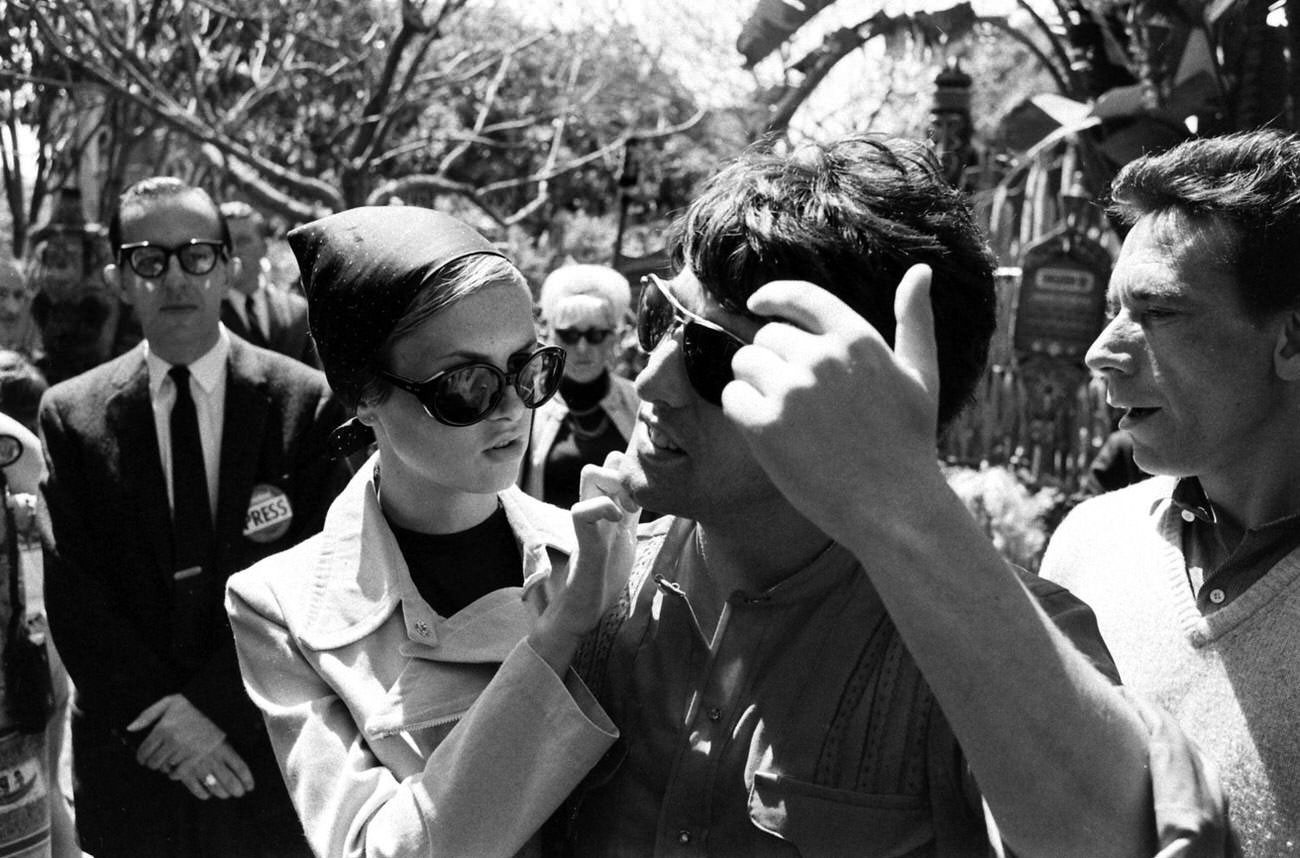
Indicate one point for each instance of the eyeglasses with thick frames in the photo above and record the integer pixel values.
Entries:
(572, 336)
(197, 256)
(707, 348)
(467, 393)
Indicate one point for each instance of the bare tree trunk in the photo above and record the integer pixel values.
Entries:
(11, 167)
(1293, 65)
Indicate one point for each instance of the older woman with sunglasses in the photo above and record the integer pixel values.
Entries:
(412, 660)
(582, 309)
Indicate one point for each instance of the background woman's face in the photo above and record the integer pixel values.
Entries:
(14, 297)
(584, 313)
(430, 460)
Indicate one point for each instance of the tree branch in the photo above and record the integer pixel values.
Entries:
(1057, 48)
(1003, 26)
(264, 194)
(385, 121)
(603, 151)
(485, 108)
(403, 187)
(839, 44)
(412, 24)
(174, 115)
(817, 65)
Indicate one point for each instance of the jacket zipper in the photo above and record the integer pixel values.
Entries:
(420, 725)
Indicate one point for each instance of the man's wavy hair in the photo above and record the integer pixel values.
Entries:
(1248, 182)
(851, 217)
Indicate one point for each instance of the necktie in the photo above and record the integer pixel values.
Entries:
(255, 334)
(191, 512)
(192, 539)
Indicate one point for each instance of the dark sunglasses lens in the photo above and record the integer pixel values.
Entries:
(147, 261)
(573, 336)
(654, 316)
(707, 354)
(540, 376)
(465, 396)
(593, 336)
(198, 258)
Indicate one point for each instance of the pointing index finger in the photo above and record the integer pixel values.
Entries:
(800, 303)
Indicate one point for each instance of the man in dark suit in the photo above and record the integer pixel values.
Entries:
(168, 469)
(255, 308)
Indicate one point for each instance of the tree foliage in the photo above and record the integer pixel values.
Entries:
(313, 106)
(1224, 63)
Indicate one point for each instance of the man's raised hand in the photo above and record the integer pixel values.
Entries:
(844, 425)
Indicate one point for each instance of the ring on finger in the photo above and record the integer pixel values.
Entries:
(210, 781)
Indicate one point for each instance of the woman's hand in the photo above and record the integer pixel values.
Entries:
(605, 521)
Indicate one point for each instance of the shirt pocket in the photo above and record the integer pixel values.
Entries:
(821, 821)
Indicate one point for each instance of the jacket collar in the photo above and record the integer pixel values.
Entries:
(130, 373)
(207, 370)
(360, 578)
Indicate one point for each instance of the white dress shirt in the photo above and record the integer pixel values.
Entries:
(208, 388)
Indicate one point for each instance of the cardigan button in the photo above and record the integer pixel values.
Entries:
(1217, 596)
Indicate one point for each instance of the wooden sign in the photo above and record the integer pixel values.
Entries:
(1062, 303)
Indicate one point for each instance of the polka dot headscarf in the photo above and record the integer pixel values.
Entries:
(361, 268)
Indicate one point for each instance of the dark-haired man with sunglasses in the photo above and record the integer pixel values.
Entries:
(168, 469)
(820, 653)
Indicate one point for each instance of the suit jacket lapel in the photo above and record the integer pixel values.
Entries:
(246, 410)
(231, 319)
(129, 418)
(275, 315)
(282, 333)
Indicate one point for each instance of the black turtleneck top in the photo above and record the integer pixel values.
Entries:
(586, 436)
(451, 570)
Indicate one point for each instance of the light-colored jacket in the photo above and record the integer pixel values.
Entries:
(620, 403)
(400, 732)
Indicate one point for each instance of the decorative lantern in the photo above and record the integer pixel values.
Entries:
(950, 121)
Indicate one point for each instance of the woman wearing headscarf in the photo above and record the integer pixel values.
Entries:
(582, 309)
(412, 660)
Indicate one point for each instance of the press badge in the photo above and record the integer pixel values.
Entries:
(269, 514)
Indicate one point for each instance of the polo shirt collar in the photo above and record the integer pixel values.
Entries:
(1189, 498)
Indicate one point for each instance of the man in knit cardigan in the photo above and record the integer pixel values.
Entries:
(1195, 574)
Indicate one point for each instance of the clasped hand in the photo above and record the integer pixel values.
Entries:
(188, 747)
